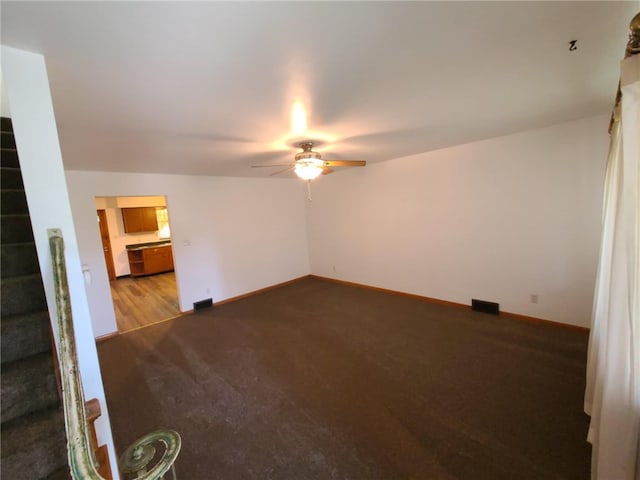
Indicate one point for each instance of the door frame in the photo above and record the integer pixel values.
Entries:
(103, 225)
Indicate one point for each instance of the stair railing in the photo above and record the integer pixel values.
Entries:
(82, 461)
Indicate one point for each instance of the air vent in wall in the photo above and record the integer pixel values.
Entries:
(202, 304)
(484, 306)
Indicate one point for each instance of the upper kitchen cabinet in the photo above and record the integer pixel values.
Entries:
(139, 219)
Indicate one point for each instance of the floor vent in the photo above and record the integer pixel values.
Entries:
(484, 306)
(202, 304)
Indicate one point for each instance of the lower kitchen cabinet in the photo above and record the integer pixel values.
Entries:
(150, 260)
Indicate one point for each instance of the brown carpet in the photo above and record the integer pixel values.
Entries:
(318, 380)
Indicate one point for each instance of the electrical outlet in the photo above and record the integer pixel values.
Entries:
(534, 298)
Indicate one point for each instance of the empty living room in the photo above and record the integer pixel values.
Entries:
(403, 240)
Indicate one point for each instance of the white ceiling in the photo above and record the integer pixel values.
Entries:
(206, 88)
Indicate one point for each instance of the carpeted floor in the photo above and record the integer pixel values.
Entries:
(318, 380)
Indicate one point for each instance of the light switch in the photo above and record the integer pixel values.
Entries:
(86, 273)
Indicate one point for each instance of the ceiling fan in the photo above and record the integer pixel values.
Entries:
(308, 164)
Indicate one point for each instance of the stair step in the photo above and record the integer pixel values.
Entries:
(33, 434)
(5, 124)
(7, 140)
(11, 178)
(28, 385)
(33, 446)
(13, 202)
(20, 295)
(9, 157)
(24, 335)
(18, 259)
(15, 229)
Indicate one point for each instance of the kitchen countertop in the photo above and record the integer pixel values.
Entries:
(140, 246)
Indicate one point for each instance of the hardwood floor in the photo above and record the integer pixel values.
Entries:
(143, 301)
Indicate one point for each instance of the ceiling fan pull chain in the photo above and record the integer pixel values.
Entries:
(309, 190)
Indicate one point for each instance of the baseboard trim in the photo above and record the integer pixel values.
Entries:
(215, 304)
(393, 292)
(257, 292)
(515, 316)
(437, 301)
(107, 336)
(526, 318)
(181, 314)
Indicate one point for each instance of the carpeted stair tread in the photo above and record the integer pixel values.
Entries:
(9, 157)
(33, 435)
(24, 335)
(15, 228)
(10, 178)
(13, 202)
(28, 385)
(18, 259)
(7, 140)
(22, 294)
(6, 125)
(34, 446)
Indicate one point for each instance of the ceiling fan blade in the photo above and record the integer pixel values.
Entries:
(345, 163)
(327, 170)
(290, 167)
(275, 165)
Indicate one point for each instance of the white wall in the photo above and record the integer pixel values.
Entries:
(34, 125)
(4, 100)
(230, 236)
(497, 220)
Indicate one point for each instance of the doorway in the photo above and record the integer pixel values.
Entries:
(139, 260)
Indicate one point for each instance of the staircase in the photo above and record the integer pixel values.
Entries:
(34, 444)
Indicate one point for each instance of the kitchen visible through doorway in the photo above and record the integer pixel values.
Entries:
(136, 240)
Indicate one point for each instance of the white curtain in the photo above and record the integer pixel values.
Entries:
(612, 396)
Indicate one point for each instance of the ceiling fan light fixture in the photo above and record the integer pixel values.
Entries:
(309, 165)
(308, 169)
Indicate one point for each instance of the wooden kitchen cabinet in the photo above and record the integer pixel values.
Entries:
(140, 219)
(150, 260)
